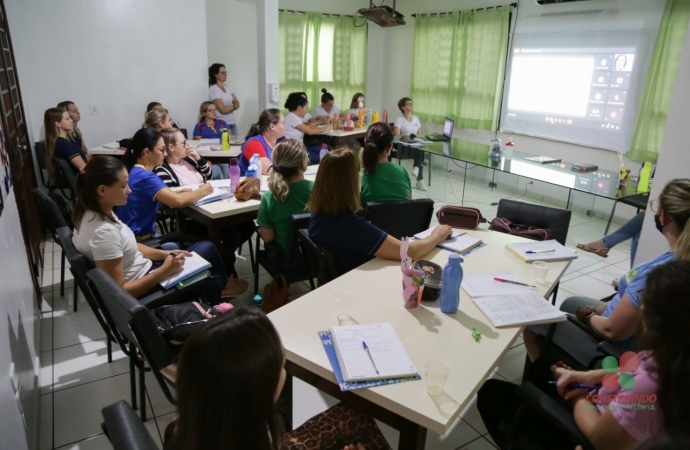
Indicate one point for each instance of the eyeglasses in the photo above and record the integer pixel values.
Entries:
(161, 149)
(211, 110)
(183, 143)
(222, 73)
(409, 104)
(654, 205)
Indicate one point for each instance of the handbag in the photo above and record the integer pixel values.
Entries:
(460, 217)
(176, 323)
(275, 294)
(249, 188)
(516, 229)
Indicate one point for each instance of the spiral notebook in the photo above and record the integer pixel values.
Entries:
(193, 265)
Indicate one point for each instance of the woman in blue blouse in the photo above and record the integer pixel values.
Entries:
(59, 125)
(209, 126)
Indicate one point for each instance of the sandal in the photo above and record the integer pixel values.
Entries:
(603, 252)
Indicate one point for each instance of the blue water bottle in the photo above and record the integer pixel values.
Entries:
(451, 278)
(323, 152)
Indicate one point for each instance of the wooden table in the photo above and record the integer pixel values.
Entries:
(211, 155)
(427, 334)
(340, 137)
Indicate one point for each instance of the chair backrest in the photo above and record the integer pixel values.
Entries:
(124, 428)
(64, 177)
(40, 149)
(298, 221)
(320, 263)
(555, 221)
(403, 218)
(52, 216)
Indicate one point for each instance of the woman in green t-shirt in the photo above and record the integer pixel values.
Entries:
(382, 181)
(289, 194)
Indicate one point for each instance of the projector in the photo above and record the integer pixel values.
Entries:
(383, 16)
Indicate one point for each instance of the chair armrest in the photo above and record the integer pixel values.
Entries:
(609, 349)
(125, 429)
(175, 236)
(582, 326)
(552, 410)
(172, 296)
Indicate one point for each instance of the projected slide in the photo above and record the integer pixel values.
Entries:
(582, 94)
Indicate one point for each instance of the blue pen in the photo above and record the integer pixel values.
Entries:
(364, 344)
(531, 252)
(576, 385)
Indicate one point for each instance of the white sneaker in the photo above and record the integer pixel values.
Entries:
(415, 171)
(421, 185)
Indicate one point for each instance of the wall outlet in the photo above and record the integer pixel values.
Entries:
(94, 109)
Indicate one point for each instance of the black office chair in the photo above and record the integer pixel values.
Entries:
(184, 132)
(320, 263)
(288, 254)
(403, 218)
(40, 150)
(53, 221)
(124, 429)
(64, 178)
(555, 221)
(134, 322)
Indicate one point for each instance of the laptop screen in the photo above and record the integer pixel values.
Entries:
(448, 128)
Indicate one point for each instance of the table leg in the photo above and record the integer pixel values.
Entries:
(613, 210)
(214, 233)
(412, 438)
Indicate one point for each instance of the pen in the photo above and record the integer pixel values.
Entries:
(513, 282)
(576, 385)
(364, 344)
(529, 252)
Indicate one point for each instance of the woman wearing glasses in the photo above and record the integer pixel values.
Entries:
(406, 126)
(210, 127)
(222, 96)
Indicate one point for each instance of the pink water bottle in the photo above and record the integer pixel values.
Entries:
(234, 172)
(384, 116)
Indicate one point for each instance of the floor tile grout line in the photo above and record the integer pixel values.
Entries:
(485, 437)
(90, 382)
(78, 343)
(81, 440)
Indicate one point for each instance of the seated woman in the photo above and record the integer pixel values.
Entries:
(382, 181)
(327, 107)
(75, 136)
(630, 230)
(288, 195)
(110, 244)
(58, 126)
(158, 119)
(620, 414)
(230, 375)
(147, 152)
(182, 164)
(262, 139)
(356, 103)
(209, 126)
(155, 105)
(336, 227)
(407, 125)
(618, 320)
(295, 128)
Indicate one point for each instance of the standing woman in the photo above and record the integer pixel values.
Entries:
(157, 119)
(58, 126)
(75, 136)
(405, 126)
(262, 138)
(222, 96)
(295, 128)
(327, 107)
(382, 181)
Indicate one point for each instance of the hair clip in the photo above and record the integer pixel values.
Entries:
(277, 168)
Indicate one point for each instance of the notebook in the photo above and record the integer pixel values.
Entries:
(208, 141)
(216, 195)
(192, 266)
(527, 308)
(544, 159)
(549, 250)
(484, 285)
(460, 241)
(386, 357)
(112, 145)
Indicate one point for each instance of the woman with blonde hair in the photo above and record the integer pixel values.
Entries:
(158, 119)
(75, 136)
(209, 126)
(288, 195)
(58, 126)
(338, 229)
(182, 164)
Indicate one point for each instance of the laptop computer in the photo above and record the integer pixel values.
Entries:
(447, 132)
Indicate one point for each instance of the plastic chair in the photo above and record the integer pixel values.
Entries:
(403, 218)
(134, 322)
(287, 254)
(320, 263)
(124, 429)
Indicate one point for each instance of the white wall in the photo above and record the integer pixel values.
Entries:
(674, 160)
(119, 55)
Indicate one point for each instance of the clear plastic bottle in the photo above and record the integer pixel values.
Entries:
(234, 171)
(451, 278)
(323, 152)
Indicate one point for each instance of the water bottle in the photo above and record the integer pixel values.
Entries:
(234, 171)
(370, 116)
(324, 150)
(384, 116)
(375, 117)
(225, 138)
(252, 168)
(451, 278)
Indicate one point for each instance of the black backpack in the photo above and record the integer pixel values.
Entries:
(176, 323)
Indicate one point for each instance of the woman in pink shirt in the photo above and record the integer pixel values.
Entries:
(182, 164)
(639, 397)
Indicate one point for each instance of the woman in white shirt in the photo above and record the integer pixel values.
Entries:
(222, 96)
(408, 125)
(327, 107)
(296, 129)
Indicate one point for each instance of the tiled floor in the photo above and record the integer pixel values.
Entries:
(76, 380)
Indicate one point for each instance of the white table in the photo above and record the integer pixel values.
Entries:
(427, 334)
(340, 137)
(212, 155)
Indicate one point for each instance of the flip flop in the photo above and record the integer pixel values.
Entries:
(603, 252)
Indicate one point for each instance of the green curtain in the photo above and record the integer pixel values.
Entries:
(319, 52)
(658, 86)
(458, 66)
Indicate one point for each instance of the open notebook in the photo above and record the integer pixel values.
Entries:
(193, 265)
(459, 242)
(542, 251)
(216, 195)
(386, 354)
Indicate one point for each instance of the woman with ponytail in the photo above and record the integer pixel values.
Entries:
(262, 139)
(58, 127)
(382, 181)
(618, 320)
(327, 107)
(289, 194)
(75, 136)
(158, 119)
